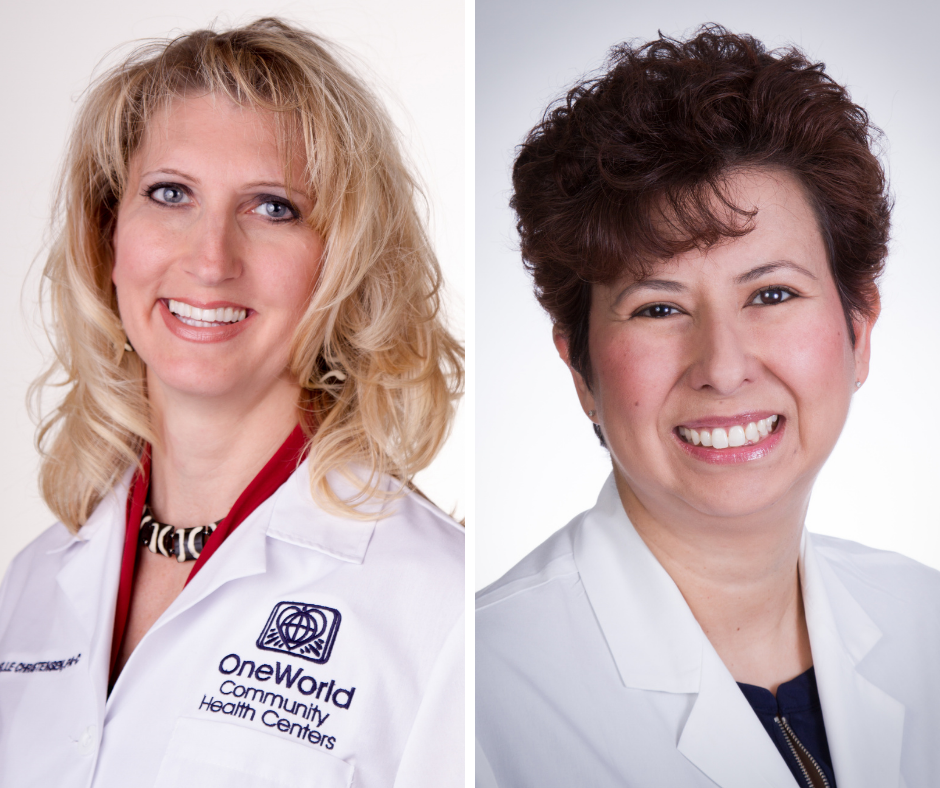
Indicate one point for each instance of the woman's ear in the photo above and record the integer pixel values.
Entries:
(580, 384)
(863, 326)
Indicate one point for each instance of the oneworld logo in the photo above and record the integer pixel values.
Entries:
(302, 630)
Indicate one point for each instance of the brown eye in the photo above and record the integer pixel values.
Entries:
(657, 310)
(772, 295)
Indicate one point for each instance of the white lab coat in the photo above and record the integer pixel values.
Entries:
(384, 709)
(592, 670)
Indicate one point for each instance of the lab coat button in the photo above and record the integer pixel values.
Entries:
(86, 742)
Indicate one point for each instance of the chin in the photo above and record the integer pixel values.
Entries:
(196, 379)
(744, 497)
(730, 509)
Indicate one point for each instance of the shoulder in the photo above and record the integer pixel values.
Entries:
(31, 576)
(878, 572)
(48, 551)
(53, 539)
(39, 557)
(422, 527)
(900, 596)
(421, 542)
(534, 582)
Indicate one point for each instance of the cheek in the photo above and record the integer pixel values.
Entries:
(633, 378)
(814, 357)
(139, 257)
(291, 273)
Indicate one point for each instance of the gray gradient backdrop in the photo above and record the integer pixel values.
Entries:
(413, 52)
(537, 461)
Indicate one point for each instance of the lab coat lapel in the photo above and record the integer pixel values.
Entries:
(658, 646)
(723, 736)
(95, 552)
(652, 635)
(288, 515)
(242, 554)
(864, 725)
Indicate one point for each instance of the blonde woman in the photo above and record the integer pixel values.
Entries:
(243, 588)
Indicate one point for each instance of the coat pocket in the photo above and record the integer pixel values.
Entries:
(210, 754)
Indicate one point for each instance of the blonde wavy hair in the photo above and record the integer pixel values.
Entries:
(380, 372)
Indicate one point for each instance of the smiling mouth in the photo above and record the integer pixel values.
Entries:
(205, 318)
(731, 437)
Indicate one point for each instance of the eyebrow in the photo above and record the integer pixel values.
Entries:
(194, 179)
(171, 171)
(660, 285)
(671, 286)
(769, 268)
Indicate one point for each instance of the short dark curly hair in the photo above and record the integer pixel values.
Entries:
(631, 167)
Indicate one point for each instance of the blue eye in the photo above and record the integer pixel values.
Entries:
(657, 311)
(772, 295)
(167, 194)
(277, 210)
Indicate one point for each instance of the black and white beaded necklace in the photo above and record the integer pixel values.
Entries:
(184, 544)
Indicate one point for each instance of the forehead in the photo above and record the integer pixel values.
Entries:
(783, 227)
(211, 131)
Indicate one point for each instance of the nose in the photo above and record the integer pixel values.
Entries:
(214, 254)
(722, 361)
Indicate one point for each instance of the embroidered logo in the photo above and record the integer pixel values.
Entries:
(303, 630)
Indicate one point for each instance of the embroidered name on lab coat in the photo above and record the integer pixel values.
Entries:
(39, 667)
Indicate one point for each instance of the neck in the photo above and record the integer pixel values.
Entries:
(207, 452)
(740, 578)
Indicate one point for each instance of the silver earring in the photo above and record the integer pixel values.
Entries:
(127, 345)
(591, 414)
(858, 384)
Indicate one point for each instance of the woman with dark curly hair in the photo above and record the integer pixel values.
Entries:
(705, 223)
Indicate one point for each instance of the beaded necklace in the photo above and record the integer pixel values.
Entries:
(184, 544)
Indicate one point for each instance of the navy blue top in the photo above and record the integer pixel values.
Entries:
(798, 701)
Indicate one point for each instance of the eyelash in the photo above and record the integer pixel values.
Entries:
(263, 199)
(646, 309)
(790, 294)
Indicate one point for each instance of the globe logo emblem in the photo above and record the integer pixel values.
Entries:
(297, 626)
(302, 630)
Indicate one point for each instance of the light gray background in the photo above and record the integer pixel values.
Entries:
(413, 53)
(537, 460)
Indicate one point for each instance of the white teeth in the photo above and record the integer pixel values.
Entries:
(194, 316)
(719, 438)
(734, 436)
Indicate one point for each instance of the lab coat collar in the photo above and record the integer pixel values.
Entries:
(658, 645)
(95, 552)
(632, 596)
(290, 515)
(299, 520)
(864, 725)
(101, 518)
